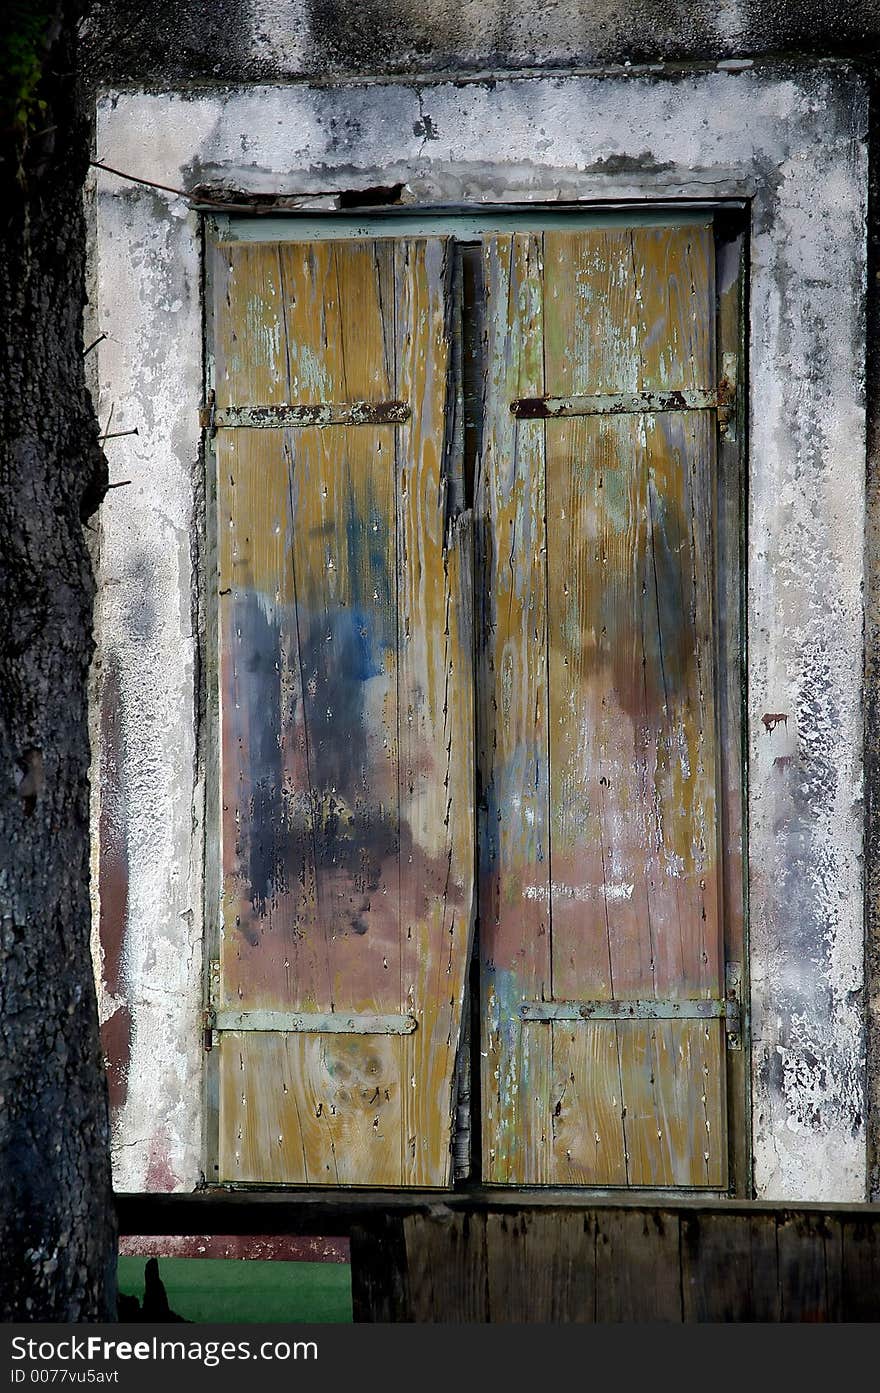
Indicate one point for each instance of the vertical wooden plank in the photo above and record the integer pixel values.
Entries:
(585, 1121)
(729, 1267)
(541, 1267)
(632, 711)
(446, 1268)
(310, 1109)
(730, 570)
(435, 719)
(810, 1248)
(512, 723)
(860, 1282)
(589, 298)
(379, 1286)
(344, 573)
(343, 544)
(248, 326)
(674, 275)
(674, 1092)
(257, 643)
(637, 1266)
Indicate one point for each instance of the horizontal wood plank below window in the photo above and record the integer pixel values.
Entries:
(300, 1210)
(646, 1009)
(314, 1023)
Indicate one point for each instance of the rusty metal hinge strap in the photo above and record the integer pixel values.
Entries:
(733, 1003)
(353, 413)
(622, 403)
(314, 1023)
(644, 1009)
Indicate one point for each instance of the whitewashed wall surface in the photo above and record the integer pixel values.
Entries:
(795, 148)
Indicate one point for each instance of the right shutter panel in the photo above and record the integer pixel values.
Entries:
(599, 876)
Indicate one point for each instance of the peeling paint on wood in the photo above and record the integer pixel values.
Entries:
(345, 727)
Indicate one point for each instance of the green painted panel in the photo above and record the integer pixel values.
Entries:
(247, 1291)
(465, 226)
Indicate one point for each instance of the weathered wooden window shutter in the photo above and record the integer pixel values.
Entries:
(606, 747)
(345, 715)
(600, 916)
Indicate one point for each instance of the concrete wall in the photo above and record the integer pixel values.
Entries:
(147, 803)
(263, 40)
(791, 142)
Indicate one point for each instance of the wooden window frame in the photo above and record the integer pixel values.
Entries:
(731, 220)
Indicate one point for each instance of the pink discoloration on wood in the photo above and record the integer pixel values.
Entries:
(258, 1247)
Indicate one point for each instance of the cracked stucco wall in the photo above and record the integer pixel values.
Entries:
(174, 41)
(794, 144)
(149, 878)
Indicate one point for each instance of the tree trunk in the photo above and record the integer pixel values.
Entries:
(57, 1229)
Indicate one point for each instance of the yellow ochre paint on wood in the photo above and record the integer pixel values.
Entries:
(512, 713)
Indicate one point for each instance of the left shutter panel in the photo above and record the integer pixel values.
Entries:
(345, 716)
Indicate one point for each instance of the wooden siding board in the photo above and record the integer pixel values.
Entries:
(247, 318)
(860, 1270)
(584, 1113)
(447, 1268)
(346, 716)
(673, 1098)
(303, 1109)
(729, 1267)
(343, 555)
(810, 1256)
(554, 1258)
(263, 737)
(541, 1268)
(379, 1279)
(637, 1266)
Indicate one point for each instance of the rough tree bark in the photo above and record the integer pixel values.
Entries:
(57, 1230)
